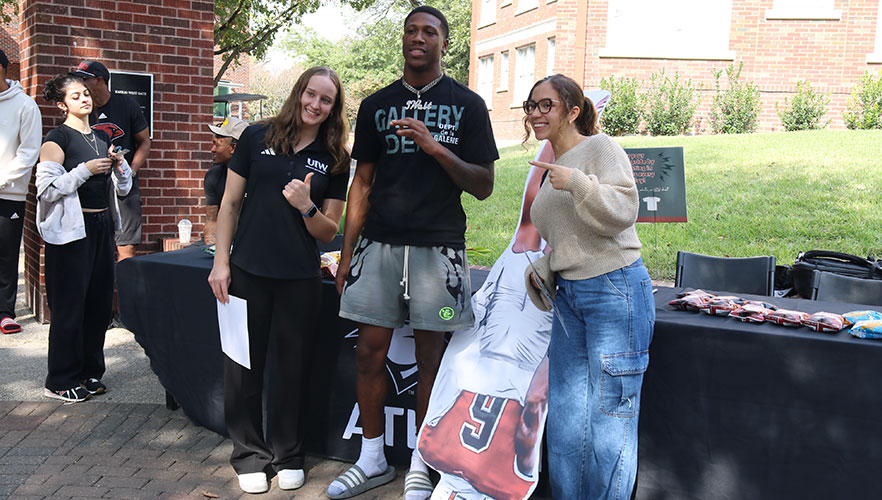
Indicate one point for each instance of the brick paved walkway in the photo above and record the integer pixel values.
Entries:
(130, 451)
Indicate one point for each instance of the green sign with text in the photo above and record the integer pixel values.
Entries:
(661, 182)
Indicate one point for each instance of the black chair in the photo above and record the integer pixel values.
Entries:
(755, 275)
(831, 287)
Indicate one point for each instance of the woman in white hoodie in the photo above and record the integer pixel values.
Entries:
(78, 178)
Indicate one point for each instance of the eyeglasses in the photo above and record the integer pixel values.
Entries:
(544, 105)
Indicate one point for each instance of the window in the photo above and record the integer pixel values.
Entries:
(876, 56)
(524, 71)
(485, 80)
(669, 30)
(525, 5)
(503, 72)
(549, 62)
(488, 13)
(803, 9)
(222, 109)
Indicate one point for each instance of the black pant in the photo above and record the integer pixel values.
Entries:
(79, 289)
(282, 318)
(12, 214)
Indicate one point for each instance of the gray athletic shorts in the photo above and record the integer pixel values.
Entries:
(433, 291)
(130, 217)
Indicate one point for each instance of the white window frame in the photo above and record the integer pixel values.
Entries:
(803, 9)
(549, 56)
(632, 23)
(526, 6)
(503, 72)
(485, 79)
(525, 73)
(876, 56)
(488, 13)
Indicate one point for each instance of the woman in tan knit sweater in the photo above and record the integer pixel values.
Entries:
(599, 350)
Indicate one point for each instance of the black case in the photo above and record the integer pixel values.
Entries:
(832, 262)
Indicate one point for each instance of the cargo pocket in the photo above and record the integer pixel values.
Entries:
(620, 382)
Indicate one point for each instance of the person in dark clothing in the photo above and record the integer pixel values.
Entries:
(78, 178)
(121, 118)
(419, 142)
(294, 170)
(223, 145)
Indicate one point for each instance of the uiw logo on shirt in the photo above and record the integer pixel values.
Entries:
(316, 165)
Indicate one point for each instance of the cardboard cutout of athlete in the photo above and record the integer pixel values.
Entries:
(484, 424)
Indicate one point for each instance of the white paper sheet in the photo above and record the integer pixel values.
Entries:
(232, 319)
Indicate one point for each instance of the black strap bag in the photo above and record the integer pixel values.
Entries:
(832, 262)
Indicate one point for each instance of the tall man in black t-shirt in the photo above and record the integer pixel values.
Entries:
(121, 118)
(420, 142)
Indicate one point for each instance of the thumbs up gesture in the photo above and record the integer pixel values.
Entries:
(557, 174)
(297, 193)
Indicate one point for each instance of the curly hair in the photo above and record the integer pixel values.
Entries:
(55, 89)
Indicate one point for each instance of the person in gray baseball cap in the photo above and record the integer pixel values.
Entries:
(226, 135)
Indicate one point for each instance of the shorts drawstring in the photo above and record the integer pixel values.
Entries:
(405, 282)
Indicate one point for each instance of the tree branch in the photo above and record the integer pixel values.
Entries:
(229, 22)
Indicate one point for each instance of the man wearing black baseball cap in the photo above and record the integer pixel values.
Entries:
(21, 130)
(121, 117)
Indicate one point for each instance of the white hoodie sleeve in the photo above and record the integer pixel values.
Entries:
(122, 180)
(30, 132)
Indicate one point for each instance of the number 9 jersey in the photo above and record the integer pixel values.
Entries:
(484, 454)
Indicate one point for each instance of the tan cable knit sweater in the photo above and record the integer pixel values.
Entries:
(590, 223)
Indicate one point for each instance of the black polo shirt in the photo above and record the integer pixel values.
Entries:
(271, 239)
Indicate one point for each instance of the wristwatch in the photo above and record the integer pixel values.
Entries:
(309, 213)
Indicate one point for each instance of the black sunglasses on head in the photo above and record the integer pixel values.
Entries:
(544, 105)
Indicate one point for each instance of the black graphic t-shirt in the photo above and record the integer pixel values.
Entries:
(413, 201)
(121, 118)
(271, 239)
(79, 148)
(215, 183)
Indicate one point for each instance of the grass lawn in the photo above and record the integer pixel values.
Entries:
(754, 194)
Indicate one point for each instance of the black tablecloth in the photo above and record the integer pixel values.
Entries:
(165, 300)
(740, 411)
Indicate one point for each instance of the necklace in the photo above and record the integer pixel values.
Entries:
(422, 90)
(91, 141)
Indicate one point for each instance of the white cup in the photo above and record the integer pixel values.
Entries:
(184, 228)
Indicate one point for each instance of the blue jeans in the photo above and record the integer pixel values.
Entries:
(595, 375)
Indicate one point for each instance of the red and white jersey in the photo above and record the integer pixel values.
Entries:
(483, 452)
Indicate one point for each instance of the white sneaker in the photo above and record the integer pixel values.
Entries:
(254, 482)
(291, 479)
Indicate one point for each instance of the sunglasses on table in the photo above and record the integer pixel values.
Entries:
(544, 105)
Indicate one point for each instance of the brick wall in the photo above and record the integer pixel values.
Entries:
(831, 54)
(173, 40)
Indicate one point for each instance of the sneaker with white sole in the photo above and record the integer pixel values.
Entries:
(291, 479)
(253, 482)
(72, 395)
(94, 386)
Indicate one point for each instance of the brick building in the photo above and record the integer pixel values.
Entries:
(171, 39)
(235, 80)
(830, 43)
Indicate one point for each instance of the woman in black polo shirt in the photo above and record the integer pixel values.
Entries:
(293, 170)
(76, 215)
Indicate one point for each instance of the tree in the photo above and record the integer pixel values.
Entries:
(250, 26)
(372, 57)
(8, 10)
